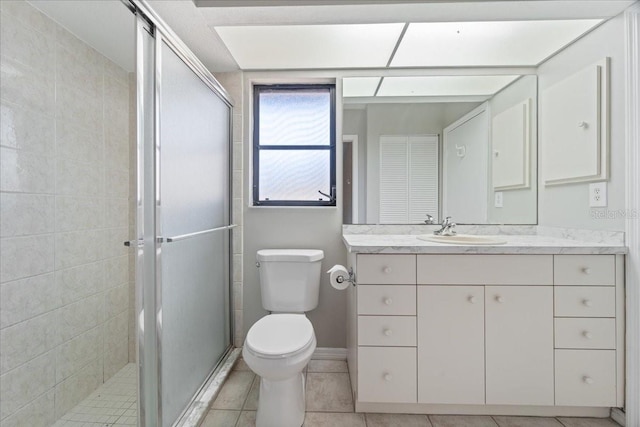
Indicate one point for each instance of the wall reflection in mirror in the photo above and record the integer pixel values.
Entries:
(459, 146)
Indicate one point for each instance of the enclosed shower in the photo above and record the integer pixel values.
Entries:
(115, 218)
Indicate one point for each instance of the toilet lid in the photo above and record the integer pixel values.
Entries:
(280, 334)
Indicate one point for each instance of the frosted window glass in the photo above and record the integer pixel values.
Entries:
(294, 174)
(295, 118)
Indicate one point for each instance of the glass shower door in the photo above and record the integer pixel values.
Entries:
(192, 216)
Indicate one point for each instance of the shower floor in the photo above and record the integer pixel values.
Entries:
(114, 403)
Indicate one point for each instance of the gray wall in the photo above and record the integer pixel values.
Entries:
(519, 206)
(311, 227)
(568, 205)
(355, 123)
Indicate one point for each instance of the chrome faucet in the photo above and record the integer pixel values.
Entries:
(447, 228)
(430, 220)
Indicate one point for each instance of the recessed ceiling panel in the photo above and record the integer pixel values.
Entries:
(499, 43)
(443, 85)
(311, 46)
(359, 86)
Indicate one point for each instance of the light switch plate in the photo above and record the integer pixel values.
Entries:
(498, 199)
(598, 194)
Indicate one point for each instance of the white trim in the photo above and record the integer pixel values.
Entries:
(355, 201)
(329, 353)
(617, 415)
(632, 27)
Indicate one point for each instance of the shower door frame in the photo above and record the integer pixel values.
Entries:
(148, 21)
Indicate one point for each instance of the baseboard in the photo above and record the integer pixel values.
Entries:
(329, 353)
(618, 416)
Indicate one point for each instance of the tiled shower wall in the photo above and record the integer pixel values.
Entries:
(64, 182)
(232, 82)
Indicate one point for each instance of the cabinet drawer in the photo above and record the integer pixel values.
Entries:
(399, 331)
(387, 374)
(387, 300)
(585, 377)
(585, 333)
(579, 301)
(585, 270)
(485, 269)
(386, 269)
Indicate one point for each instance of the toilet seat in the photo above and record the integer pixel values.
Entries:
(280, 335)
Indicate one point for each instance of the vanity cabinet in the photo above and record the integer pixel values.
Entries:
(451, 344)
(457, 333)
(519, 345)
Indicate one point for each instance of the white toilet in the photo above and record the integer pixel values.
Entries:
(280, 345)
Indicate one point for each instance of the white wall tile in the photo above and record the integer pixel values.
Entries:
(76, 353)
(26, 14)
(78, 386)
(113, 241)
(25, 383)
(76, 283)
(116, 212)
(78, 179)
(116, 344)
(78, 247)
(27, 130)
(78, 143)
(27, 46)
(20, 84)
(79, 317)
(116, 301)
(24, 214)
(23, 299)
(39, 413)
(116, 271)
(117, 182)
(27, 340)
(79, 213)
(22, 257)
(26, 172)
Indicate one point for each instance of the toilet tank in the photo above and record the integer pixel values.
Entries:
(289, 279)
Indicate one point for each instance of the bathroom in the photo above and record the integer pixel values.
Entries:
(78, 82)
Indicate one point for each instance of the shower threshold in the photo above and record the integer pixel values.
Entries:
(113, 404)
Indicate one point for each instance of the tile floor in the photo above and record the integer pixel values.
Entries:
(113, 404)
(329, 404)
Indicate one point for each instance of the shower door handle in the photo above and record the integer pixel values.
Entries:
(197, 233)
(134, 243)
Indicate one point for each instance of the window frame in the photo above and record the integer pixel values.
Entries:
(256, 147)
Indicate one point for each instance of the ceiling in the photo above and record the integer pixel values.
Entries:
(229, 35)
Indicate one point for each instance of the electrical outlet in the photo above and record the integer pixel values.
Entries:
(598, 195)
(498, 199)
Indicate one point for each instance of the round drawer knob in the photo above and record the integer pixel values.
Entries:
(500, 299)
(388, 301)
(588, 335)
(472, 299)
(587, 303)
(587, 380)
(387, 377)
(386, 270)
(586, 270)
(388, 332)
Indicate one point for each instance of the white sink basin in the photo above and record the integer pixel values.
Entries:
(463, 239)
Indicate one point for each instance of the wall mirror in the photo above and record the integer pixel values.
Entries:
(459, 146)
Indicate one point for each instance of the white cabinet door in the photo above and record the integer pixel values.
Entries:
(519, 345)
(451, 344)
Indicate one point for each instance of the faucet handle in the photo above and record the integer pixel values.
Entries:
(430, 220)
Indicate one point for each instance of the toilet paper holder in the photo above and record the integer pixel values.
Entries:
(351, 279)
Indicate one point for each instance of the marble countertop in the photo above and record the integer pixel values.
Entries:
(516, 244)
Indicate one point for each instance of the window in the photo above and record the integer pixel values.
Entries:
(294, 145)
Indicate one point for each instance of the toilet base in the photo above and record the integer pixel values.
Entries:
(281, 403)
